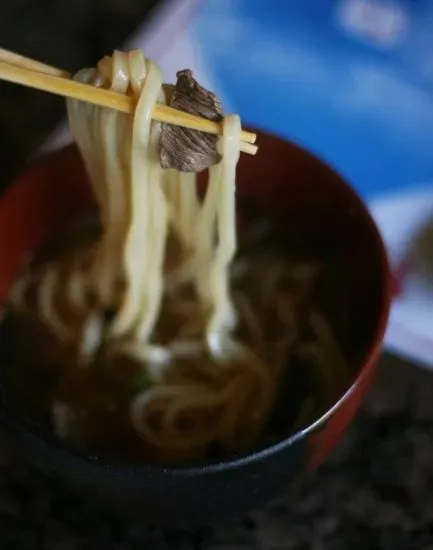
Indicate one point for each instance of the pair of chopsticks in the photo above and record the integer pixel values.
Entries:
(34, 74)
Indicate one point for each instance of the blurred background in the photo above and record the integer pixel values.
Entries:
(69, 34)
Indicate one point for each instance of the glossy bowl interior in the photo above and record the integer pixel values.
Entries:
(315, 203)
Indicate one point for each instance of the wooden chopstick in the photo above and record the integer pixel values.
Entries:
(22, 61)
(28, 72)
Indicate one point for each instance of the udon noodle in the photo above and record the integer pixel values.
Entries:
(155, 305)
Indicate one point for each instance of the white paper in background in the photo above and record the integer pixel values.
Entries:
(176, 40)
(401, 218)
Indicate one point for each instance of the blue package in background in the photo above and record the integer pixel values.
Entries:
(352, 80)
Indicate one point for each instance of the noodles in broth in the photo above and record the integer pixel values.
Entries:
(157, 296)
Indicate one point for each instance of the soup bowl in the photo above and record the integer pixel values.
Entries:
(315, 202)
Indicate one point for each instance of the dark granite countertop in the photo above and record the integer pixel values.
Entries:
(377, 490)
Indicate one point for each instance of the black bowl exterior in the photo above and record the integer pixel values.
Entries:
(190, 497)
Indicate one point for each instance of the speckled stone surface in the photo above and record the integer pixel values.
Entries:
(376, 492)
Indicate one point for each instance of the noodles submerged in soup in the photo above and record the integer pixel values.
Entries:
(153, 338)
